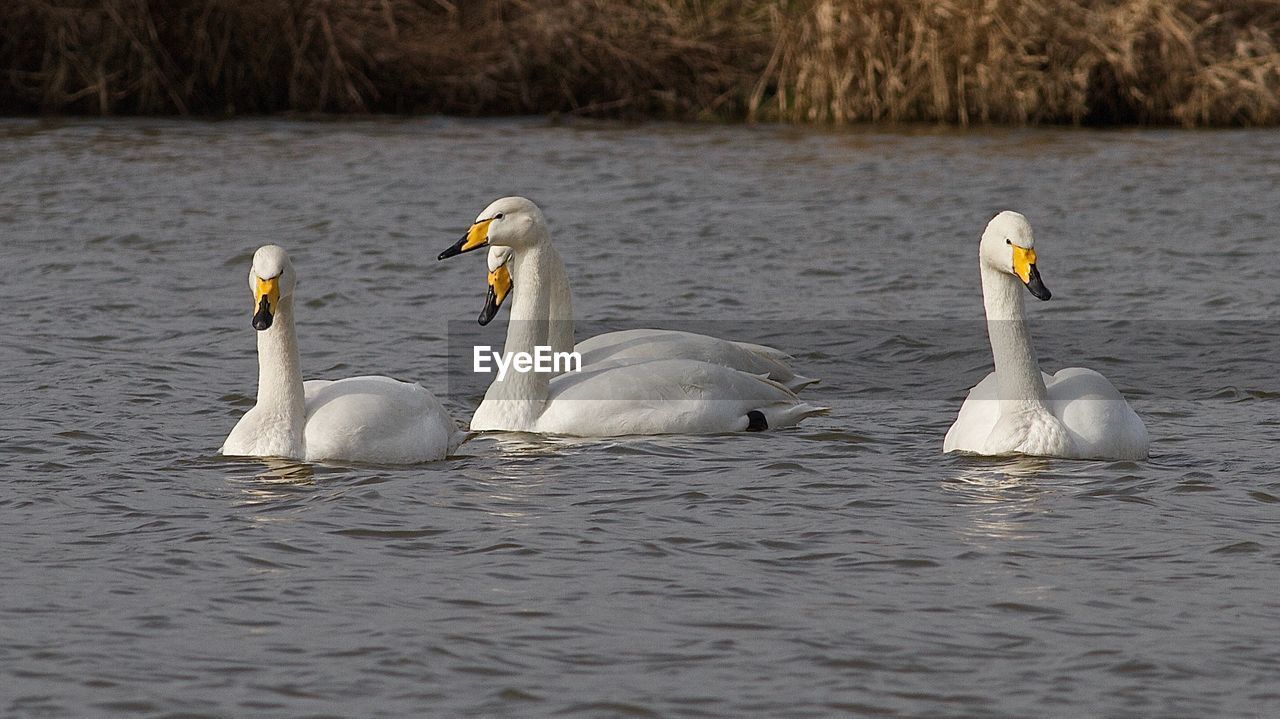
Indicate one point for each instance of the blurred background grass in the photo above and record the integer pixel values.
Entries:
(1179, 62)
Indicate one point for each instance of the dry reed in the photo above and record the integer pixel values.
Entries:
(1188, 62)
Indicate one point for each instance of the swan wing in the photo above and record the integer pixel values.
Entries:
(378, 420)
(647, 344)
(978, 417)
(767, 351)
(238, 442)
(259, 433)
(1099, 420)
(669, 396)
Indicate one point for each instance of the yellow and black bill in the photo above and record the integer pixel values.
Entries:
(1024, 266)
(499, 288)
(477, 236)
(266, 302)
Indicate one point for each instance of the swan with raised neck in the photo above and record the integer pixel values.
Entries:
(541, 311)
(645, 397)
(274, 427)
(1018, 409)
(359, 419)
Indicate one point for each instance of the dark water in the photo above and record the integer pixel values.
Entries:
(845, 567)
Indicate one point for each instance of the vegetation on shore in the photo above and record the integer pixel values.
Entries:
(1184, 62)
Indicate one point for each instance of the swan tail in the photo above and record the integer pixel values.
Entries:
(799, 382)
(781, 411)
(772, 353)
(782, 361)
(459, 436)
(785, 414)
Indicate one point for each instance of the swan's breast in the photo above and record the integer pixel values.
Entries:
(1046, 436)
(1029, 429)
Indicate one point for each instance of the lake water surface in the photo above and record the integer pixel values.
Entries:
(844, 567)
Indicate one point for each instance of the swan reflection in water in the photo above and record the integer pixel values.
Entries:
(288, 471)
(1000, 495)
(274, 479)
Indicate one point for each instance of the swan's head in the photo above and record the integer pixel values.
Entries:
(1009, 246)
(499, 282)
(510, 222)
(270, 279)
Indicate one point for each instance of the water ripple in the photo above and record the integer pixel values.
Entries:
(842, 567)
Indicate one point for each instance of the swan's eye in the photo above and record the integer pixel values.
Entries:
(1008, 241)
(498, 216)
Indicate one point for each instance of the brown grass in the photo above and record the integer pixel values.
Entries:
(1187, 62)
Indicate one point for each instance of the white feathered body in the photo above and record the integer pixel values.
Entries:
(637, 382)
(649, 344)
(1083, 417)
(361, 419)
(646, 397)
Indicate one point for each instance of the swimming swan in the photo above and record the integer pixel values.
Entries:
(360, 419)
(660, 396)
(1017, 409)
(640, 344)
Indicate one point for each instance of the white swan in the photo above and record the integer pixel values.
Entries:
(640, 344)
(361, 419)
(663, 396)
(1017, 409)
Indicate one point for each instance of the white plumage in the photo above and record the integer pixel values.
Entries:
(1017, 409)
(615, 395)
(644, 344)
(359, 419)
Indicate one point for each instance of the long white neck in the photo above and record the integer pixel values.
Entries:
(1017, 371)
(561, 329)
(280, 395)
(541, 316)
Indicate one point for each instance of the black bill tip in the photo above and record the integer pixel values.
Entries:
(1036, 285)
(262, 318)
(490, 310)
(456, 249)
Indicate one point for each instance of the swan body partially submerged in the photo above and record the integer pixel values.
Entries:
(1017, 409)
(642, 344)
(615, 396)
(360, 419)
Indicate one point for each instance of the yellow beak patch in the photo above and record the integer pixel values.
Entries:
(476, 236)
(1023, 259)
(268, 288)
(500, 283)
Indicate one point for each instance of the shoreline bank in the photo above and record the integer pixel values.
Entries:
(1188, 63)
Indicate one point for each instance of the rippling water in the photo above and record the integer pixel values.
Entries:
(842, 567)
